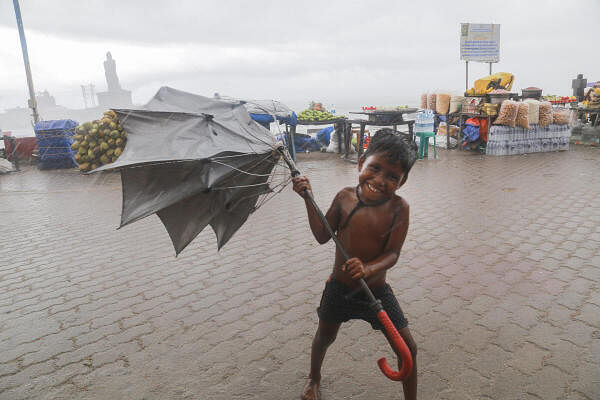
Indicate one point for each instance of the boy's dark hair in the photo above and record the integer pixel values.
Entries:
(399, 147)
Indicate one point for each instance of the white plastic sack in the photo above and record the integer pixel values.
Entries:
(5, 166)
(534, 111)
(333, 143)
(441, 141)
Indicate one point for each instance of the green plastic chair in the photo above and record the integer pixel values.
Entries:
(424, 144)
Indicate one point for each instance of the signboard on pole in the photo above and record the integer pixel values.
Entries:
(480, 42)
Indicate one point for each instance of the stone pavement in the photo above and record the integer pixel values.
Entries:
(499, 277)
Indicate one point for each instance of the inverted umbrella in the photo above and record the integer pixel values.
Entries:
(196, 161)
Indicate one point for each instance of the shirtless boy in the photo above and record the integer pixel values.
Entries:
(371, 221)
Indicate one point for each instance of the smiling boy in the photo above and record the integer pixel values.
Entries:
(371, 221)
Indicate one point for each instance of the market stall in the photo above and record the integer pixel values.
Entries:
(378, 118)
(587, 117)
(266, 112)
(473, 111)
(333, 127)
(493, 120)
(446, 111)
(529, 125)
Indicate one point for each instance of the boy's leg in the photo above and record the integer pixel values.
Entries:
(409, 385)
(326, 334)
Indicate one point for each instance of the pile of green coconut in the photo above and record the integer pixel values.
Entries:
(99, 142)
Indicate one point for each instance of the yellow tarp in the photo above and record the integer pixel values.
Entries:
(499, 80)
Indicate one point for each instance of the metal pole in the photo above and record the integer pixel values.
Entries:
(490, 68)
(466, 76)
(32, 102)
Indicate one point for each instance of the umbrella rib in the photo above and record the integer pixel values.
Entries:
(283, 184)
(269, 181)
(239, 186)
(231, 156)
(258, 162)
(240, 170)
(273, 193)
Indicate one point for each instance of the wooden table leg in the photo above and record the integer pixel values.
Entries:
(447, 132)
(347, 139)
(460, 128)
(338, 133)
(360, 140)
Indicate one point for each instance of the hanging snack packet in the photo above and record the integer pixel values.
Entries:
(431, 97)
(442, 103)
(424, 101)
(560, 117)
(523, 115)
(508, 114)
(545, 114)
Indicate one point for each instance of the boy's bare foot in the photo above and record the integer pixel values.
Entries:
(311, 391)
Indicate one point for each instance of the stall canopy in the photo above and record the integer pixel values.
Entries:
(262, 111)
(265, 111)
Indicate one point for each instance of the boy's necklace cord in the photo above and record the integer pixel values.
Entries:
(359, 205)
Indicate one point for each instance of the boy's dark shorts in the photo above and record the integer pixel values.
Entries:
(334, 308)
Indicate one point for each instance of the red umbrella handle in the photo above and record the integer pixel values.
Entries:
(401, 348)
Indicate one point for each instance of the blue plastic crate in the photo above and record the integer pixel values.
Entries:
(54, 139)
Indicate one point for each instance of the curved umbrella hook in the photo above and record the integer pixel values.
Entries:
(399, 344)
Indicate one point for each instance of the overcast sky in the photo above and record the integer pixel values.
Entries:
(350, 53)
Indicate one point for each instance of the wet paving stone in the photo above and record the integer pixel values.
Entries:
(499, 277)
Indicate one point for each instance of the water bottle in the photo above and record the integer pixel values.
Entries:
(544, 145)
(492, 148)
(332, 109)
(503, 148)
(424, 121)
(556, 144)
(520, 147)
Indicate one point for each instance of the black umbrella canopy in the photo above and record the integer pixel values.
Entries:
(193, 161)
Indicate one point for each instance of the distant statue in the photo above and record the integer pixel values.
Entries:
(110, 71)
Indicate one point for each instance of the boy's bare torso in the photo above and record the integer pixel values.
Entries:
(366, 234)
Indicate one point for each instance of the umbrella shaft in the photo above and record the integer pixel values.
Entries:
(363, 285)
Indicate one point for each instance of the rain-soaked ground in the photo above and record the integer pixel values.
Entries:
(499, 277)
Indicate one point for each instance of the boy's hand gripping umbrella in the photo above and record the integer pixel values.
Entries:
(399, 345)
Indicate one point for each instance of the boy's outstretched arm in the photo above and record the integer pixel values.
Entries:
(301, 184)
(357, 269)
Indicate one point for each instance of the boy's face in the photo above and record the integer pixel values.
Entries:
(379, 178)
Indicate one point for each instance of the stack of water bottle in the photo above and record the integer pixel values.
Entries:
(506, 141)
(424, 121)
